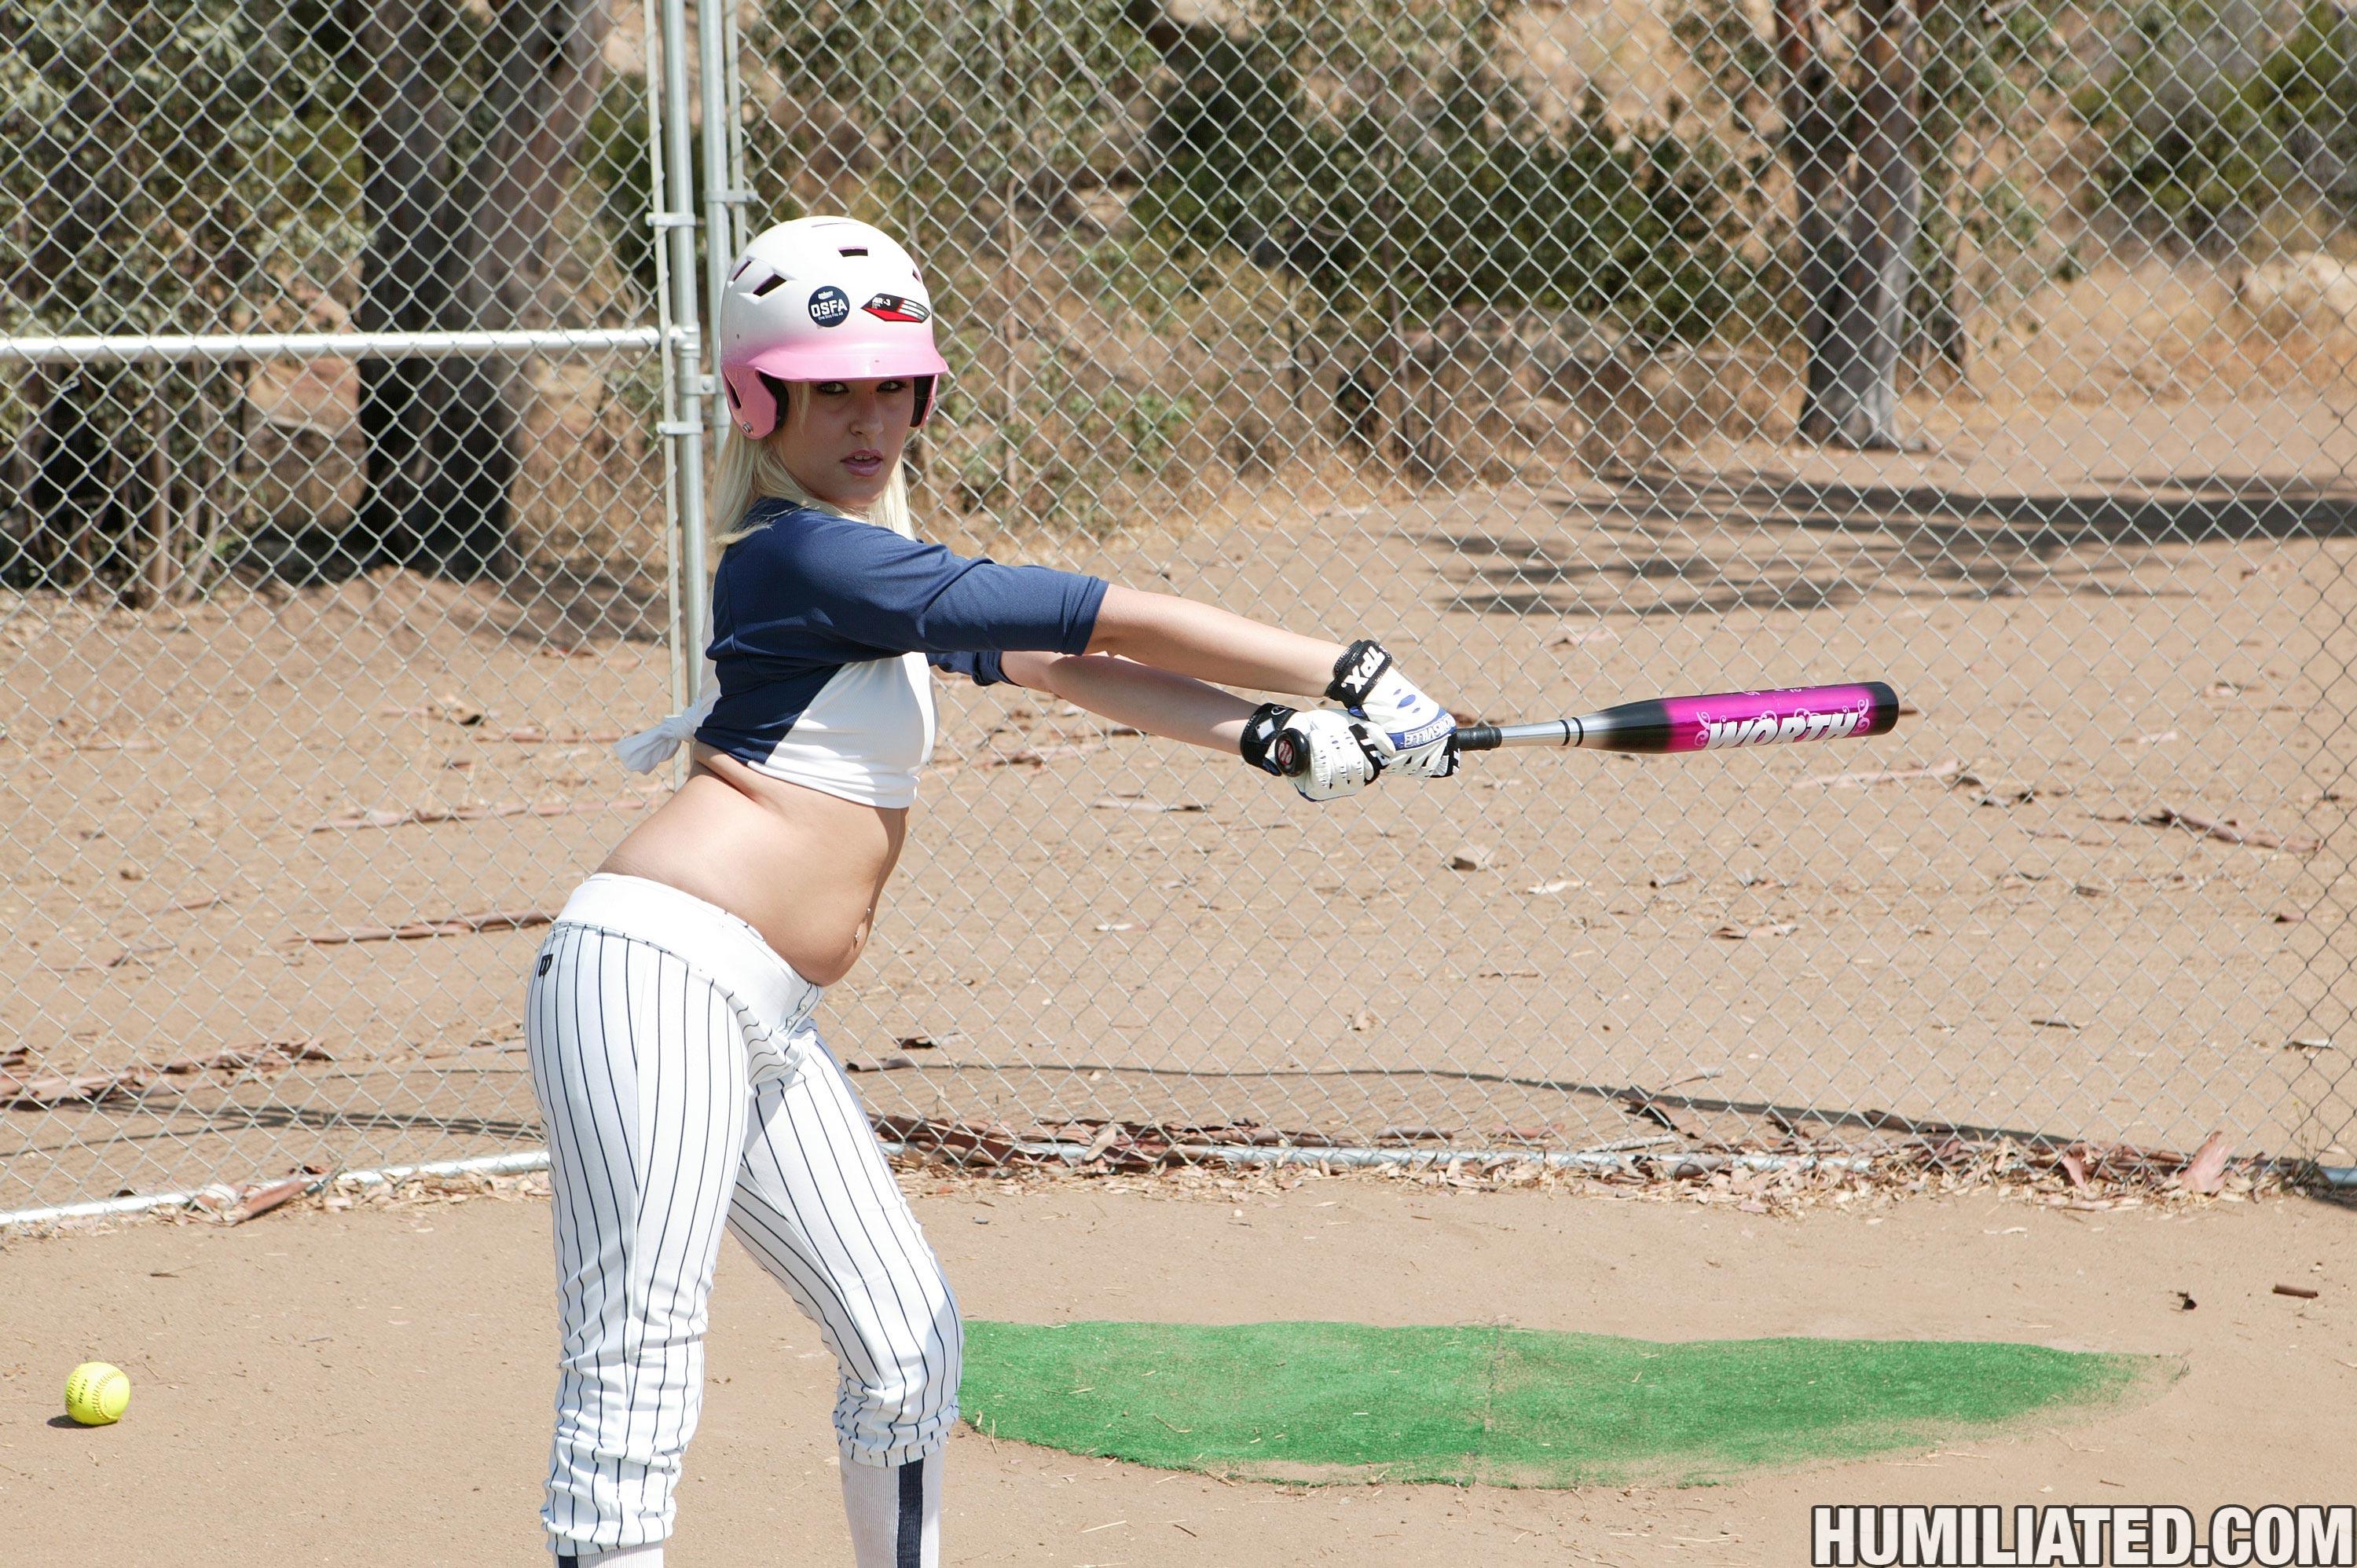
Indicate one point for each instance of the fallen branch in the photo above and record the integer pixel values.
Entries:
(1732, 933)
(56, 749)
(454, 709)
(264, 1055)
(450, 926)
(128, 955)
(189, 906)
(20, 1092)
(2225, 830)
(1947, 769)
(85, 1088)
(988, 1144)
(529, 734)
(1032, 757)
(426, 814)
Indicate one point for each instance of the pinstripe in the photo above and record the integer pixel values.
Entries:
(573, 1237)
(627, 1131)
(919, 1264)
(922, 1396)
(841, 1263)
(833, 1145)
(854, 1134)
(660, 1139)
(662, 1404)
(775, 1252)
(646, 1073)
(831, 1213)
(619, 1235)
(650, 1124)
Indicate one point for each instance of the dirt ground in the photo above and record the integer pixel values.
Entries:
(2115, 616)
(371, 1386)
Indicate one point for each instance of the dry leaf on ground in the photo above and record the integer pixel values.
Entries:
(2206, 1170)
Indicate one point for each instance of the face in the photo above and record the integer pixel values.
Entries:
(841, 439)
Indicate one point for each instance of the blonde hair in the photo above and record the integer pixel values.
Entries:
(747, 470)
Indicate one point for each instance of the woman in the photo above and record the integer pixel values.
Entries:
(678, 1074)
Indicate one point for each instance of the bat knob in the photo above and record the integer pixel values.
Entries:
(1290, 758)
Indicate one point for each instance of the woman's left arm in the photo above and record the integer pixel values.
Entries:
(1212, 644)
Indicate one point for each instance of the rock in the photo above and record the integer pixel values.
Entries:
(1471, 857)
(2300, 289)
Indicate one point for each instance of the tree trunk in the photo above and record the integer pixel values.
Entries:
(406, 269)
(458, 249)
(1813, 142)
(79, 180)
(1955, 38)
(1860, 198)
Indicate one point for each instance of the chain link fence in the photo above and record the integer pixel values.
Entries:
(1582, 353)
(336, 532)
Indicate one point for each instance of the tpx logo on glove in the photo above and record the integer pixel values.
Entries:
(1355, 674)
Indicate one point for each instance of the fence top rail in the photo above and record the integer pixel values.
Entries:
(129, 347)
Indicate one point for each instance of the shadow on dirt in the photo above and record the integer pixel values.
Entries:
(538, 600)
(1665, 543)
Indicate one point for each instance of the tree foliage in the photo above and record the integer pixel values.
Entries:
(2211, 119)
(1427, 180)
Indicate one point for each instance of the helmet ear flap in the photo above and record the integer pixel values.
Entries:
(777, 391)
(925, 386)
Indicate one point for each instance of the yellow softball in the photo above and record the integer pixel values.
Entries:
(97, 1393)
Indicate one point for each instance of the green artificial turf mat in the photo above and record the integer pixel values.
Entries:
(1344, 1402)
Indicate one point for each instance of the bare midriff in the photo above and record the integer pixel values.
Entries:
(801, 867)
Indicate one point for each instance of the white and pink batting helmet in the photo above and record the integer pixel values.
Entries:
(823, 299)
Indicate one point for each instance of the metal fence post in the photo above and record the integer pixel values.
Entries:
(678, 228)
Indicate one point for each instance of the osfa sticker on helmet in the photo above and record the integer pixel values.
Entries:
(830, 307)
(892, 308)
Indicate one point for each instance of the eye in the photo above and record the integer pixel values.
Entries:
(830, 388)
(893, 386)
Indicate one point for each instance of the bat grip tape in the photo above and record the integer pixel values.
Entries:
(1479, 737)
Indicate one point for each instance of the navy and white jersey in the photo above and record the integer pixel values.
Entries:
(822, 627)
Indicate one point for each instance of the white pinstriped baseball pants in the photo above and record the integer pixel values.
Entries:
(682, 1085)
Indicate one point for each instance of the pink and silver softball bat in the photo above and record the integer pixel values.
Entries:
(1720, 722)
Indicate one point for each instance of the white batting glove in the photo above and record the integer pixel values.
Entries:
(1416, 735)
(1326, 754)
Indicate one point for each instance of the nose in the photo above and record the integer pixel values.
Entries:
(866, 410)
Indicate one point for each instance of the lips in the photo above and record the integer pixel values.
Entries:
(864, 463)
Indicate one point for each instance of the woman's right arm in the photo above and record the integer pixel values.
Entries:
(1212, 644)
(1413, 732)
(1339, 756)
